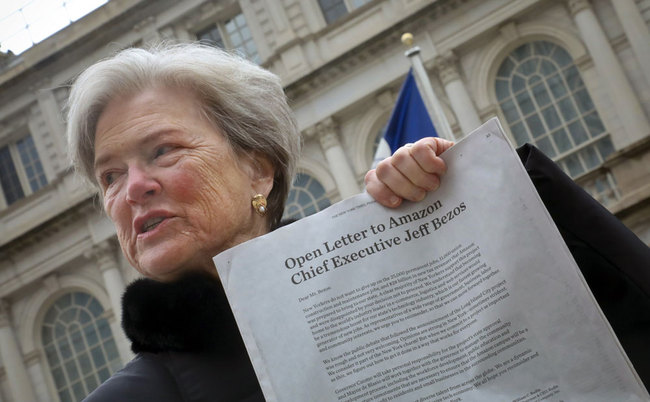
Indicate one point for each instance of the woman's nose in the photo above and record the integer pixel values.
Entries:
(141, 186)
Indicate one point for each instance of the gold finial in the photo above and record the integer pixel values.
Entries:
(407, 39)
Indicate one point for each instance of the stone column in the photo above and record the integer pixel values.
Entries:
(610, 70)
(461, 103)
(338, 163)
(636, 31)
(104, 254)
(52, 115)
(20, 385)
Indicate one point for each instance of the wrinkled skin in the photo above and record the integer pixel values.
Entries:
(157, 157)
(409, 173)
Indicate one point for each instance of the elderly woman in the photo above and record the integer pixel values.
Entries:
(193, 151)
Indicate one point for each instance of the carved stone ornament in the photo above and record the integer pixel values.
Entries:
(447, 67)
(575, 6)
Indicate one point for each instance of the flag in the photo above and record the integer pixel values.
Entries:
(408, 123)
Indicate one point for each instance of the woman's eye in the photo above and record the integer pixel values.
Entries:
(162, 150)
(108, 178)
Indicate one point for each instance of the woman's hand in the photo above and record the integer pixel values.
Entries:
(413, 170)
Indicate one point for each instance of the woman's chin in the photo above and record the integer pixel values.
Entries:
(168, 269)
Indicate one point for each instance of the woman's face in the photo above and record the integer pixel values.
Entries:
(177, 193)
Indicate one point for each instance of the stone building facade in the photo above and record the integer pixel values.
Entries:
(571, 76)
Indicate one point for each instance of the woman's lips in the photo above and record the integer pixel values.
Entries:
(154, 230)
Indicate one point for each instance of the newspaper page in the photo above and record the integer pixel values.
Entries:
(469, 295)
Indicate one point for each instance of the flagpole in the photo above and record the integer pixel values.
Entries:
(438, 115)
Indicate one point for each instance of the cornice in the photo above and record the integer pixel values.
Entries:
(387, 39)
(50, 227)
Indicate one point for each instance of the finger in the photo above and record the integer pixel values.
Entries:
(426, 153)
(420, 165)
(380, 192)
(397, 182)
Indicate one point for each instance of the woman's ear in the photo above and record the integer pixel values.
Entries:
(261, 172)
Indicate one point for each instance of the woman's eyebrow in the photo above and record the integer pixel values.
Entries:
(148, 138)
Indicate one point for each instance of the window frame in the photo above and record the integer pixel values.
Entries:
(220, 25)
(560, 157)
(105, 315)
(349, 6)
(23, 178)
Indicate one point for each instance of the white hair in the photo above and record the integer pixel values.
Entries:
(244, 101)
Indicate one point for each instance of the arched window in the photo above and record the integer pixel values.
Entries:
(545, 102)
(79, 345)
(307, 196)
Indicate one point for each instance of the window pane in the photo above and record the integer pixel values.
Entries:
(46, 334)
(529, 67)
(561, 57)
(333, 9)
(605, 147)
(95, 308)
(91, 382)
(71, 370)
(11, 186)
(550, 117)
(573, 78)
(510, 111)
(78, 390)
(31, 162)
(211, 36)
(521, 52)
(594, 125)
(104, 329)
(558, 89)
(506, 69)
(84, 362)
(520, 134)
(545, 146)
(91, 335)
(111, 349)
(543, 48)
(573, 165)
(525, 104)
(567, 109)
(541, 95)
(103, 374)
(64, 301)
(98, 356)
(65, 396)
(590, 157)
(307, 196)
(578, 133)
(535, 126)
(562, 141)
(81, 299)
(547, 68)
(584, 101)
(503, 89)
(59, 377)
(517, 84)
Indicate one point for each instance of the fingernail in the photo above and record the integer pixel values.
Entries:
(394, 200)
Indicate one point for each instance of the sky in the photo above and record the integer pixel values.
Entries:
(24, 23)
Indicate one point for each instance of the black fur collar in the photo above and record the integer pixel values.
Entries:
(189, 315)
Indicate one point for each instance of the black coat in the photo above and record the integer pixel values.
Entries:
(187, 346)
(185, 354)
(614, 262)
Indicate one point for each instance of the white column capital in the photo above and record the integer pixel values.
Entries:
(575, 6)
(447, 67)
(104, 254)
(326, 133)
